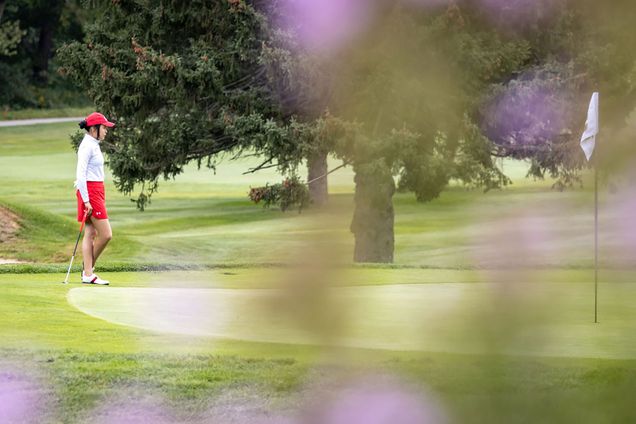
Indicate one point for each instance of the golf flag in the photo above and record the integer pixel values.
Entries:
(588, 139)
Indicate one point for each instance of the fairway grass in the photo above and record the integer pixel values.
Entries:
(205, 217)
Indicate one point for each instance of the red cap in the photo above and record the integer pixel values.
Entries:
(97, 118)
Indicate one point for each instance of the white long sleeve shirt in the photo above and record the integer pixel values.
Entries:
(90, 165)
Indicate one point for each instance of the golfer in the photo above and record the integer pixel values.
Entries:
(91, 200)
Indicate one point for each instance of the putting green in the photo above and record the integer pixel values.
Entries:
(547, 319)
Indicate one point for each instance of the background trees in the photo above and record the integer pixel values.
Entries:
(424, 96)
(413, 86)
(30, 33)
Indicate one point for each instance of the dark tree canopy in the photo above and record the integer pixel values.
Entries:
(183, 80)
(30, 32)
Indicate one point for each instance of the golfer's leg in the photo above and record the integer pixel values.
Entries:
(104, 234)
(87, 247)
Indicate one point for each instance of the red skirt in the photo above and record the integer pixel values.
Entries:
(97, 197)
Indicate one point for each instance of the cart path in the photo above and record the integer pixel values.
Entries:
(21, 122)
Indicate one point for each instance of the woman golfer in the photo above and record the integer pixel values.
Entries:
(91, 200)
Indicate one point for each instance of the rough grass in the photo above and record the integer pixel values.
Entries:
(472, 389)
(46, 237)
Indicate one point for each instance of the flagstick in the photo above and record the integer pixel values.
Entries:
(588, 141)
(595, 245)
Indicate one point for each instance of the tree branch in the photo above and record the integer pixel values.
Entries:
(324, 175)
(262, 166)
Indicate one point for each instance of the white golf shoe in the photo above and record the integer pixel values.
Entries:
(93, 279)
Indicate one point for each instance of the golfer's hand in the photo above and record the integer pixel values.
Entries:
(88, 209)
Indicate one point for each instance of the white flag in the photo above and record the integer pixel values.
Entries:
(588, 140)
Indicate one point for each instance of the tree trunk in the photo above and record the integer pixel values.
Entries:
(41, 62)
(373, 217)
(45, 43)
(318, 187)
(2, 2)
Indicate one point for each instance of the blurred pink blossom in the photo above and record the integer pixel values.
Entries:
(520, 239)
(20, 399)
(133, 411)
(374, 400)
(527, 115)
(326, 24)
(617, 230)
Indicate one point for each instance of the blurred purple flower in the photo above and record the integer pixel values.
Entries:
(374, 401)
(618, 229)
(527, 115)
(20, 399)
(519, 239)
(137, 411)
(326, 24)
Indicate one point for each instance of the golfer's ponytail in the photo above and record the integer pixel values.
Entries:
(84, 126)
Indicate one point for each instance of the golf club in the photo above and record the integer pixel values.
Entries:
(75, 249)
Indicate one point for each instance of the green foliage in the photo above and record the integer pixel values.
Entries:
(10, 36)
(14, 83)
(416, 95)
(425, 174)
(474, 162)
